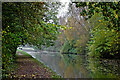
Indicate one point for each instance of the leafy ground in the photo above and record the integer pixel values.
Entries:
(28, 67)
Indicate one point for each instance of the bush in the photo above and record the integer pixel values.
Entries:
(68, 47)
(104, 42)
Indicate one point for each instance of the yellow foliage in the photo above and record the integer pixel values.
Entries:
(70, 27)
(112, 30)
(4, 32)
(33, 75)
(99, 20)
(116, 16)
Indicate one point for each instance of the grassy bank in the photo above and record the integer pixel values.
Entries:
(22, 56)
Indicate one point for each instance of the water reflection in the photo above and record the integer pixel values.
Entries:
(78, 66)
(104, 68)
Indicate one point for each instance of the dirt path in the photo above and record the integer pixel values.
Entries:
(30, 68)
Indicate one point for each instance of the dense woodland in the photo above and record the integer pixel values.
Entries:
(89, 28)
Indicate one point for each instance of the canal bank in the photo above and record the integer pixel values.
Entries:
(26, 66)
(76, 66)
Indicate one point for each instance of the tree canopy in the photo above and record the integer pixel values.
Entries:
(110, 11)
(105, 17)
(26, 22)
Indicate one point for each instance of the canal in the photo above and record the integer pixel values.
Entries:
(76, 66)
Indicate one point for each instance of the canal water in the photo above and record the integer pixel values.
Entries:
(76, 66)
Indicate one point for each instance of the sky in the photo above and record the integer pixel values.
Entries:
(63, 10)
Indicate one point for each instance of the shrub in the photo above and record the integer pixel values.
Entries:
(104, 41)
(68, 47)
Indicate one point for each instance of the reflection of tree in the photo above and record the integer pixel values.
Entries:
(75, 64)
(98, 69)
(69, 59)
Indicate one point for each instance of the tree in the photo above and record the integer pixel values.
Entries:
(110, 11)
(25, 23)
(78, 35)
(105, 38)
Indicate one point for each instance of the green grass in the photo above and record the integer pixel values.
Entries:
(54, 74)
(22, 52)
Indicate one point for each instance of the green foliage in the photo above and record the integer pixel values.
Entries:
(65, 47)
(104, 42)
(26, 23)
(68, 47)
(78, 33)
(110, 11)
(7, 60)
